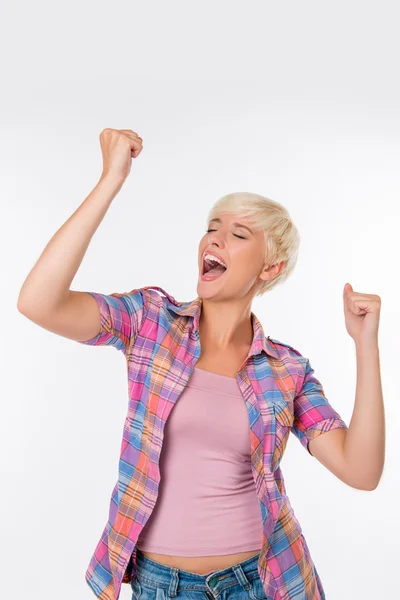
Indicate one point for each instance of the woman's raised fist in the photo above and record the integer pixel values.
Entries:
(118, 147)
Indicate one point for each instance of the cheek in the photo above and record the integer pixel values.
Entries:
(245, 265)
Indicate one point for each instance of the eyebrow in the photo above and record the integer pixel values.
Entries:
(236, 224)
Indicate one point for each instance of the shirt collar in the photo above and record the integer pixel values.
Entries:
(192, 308)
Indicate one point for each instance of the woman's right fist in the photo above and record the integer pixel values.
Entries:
(118, 147)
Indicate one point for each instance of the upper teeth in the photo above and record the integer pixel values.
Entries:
(210, 257)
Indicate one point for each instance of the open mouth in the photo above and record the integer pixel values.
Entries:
(212, 269)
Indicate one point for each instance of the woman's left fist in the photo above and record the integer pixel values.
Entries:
(361, 312)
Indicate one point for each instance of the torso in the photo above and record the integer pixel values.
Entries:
(200, 564)
(227, 364)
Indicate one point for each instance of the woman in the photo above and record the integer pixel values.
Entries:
(200, 508)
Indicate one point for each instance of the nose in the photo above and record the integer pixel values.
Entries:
(215, 237)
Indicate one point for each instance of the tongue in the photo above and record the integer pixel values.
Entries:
(216, 270)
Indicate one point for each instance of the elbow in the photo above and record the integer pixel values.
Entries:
(366, 487)
(371, 483)
(361, 483)
(371, 487)
(21, 305)
(20, 308)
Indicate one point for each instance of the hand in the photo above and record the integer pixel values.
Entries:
(362, 312)
(118, 147)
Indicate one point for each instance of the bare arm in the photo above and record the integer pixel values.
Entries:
(45, 297)
(357, 455)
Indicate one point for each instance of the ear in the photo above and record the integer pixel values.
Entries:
(270, 272)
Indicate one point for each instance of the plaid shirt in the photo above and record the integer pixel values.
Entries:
(160, 340)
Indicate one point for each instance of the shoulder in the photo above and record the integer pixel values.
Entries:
(287, 351)
(155, 300)
(143, 300)
(293, 361)
(148, 295)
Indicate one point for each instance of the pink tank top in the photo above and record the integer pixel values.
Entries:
(207, 503)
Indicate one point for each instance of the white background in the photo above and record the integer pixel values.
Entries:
(297, 101)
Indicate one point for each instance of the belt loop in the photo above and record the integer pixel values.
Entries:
(173, 584)
(241, 576)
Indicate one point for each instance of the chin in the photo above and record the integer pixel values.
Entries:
(208, 289)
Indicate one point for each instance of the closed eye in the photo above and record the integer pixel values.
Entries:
(238, 236)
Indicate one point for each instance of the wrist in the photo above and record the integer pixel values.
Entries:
(112, 178)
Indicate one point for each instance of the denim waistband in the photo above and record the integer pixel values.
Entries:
(159, 575)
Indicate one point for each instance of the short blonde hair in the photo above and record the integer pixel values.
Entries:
(281, 236)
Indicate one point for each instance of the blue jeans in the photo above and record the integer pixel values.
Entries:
(155, 581)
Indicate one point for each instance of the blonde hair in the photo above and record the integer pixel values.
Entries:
(281, 236)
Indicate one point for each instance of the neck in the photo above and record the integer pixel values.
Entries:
(226, 324)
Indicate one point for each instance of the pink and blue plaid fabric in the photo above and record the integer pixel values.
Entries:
(160, 340)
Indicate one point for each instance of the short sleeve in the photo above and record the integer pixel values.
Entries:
(121, 317)
(313, 413)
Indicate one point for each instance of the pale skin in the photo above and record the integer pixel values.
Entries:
(355, 456)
